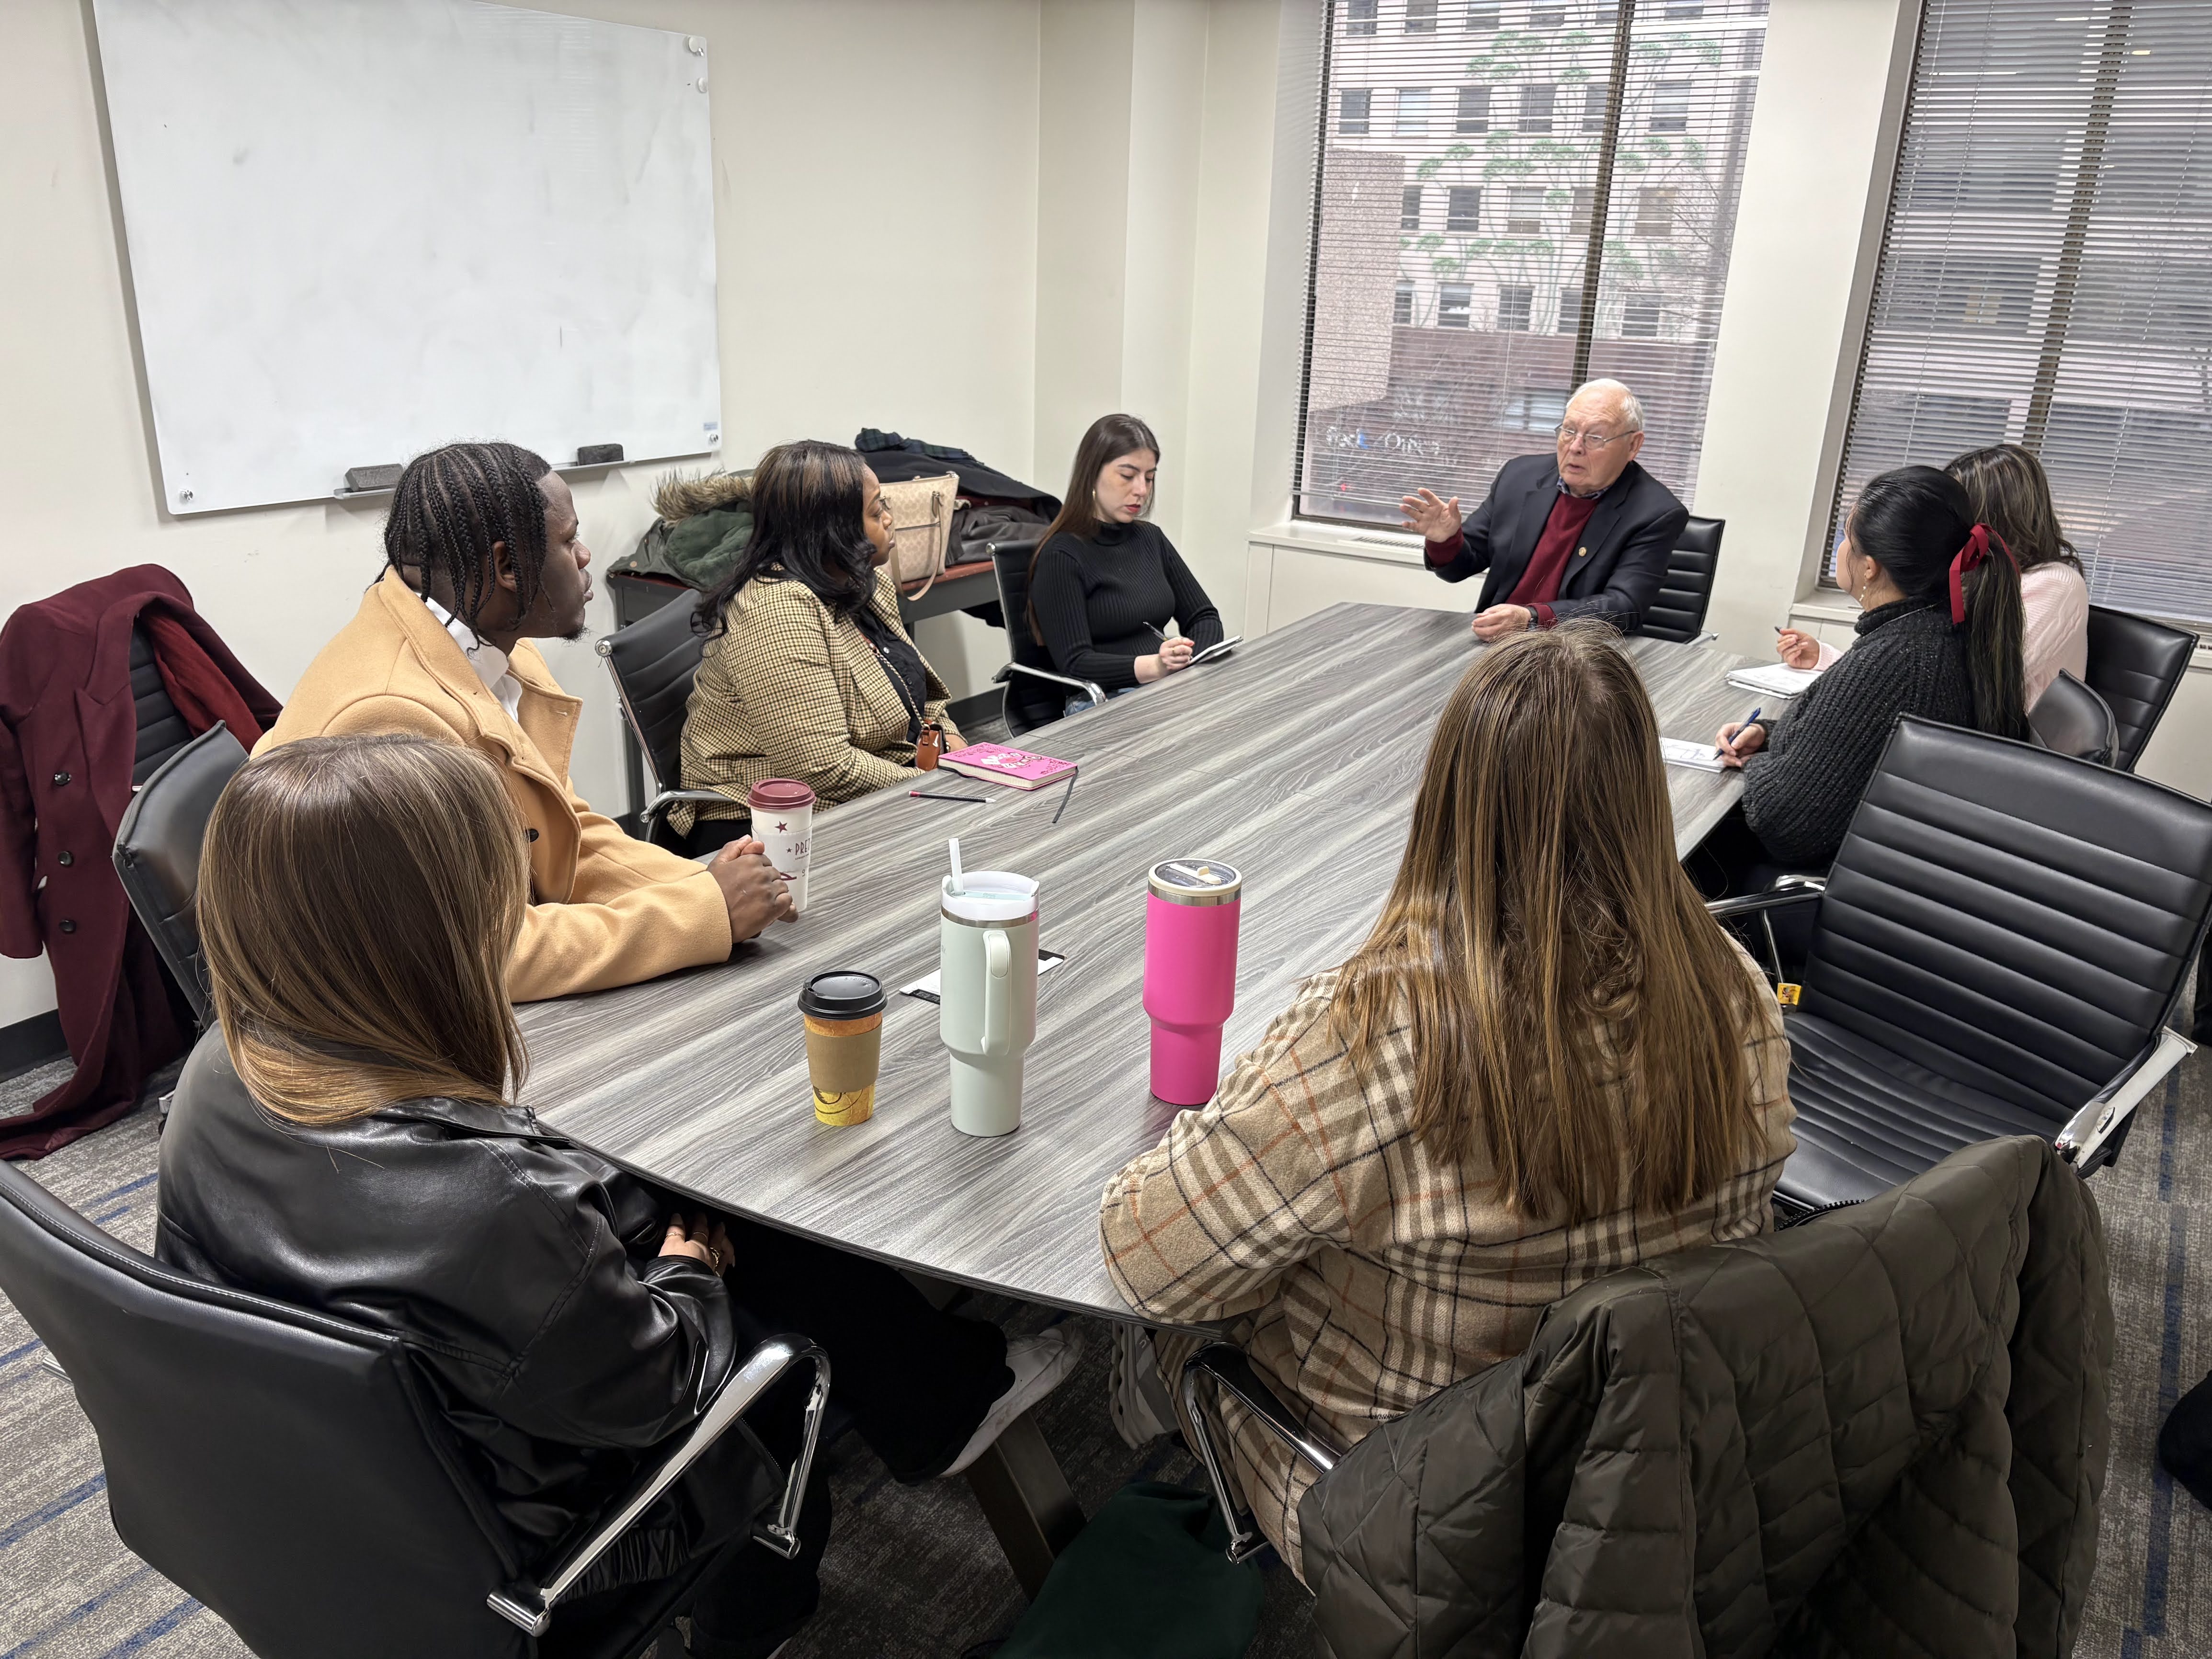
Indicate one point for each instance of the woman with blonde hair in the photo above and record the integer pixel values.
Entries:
(344, 1142)
(1546, 1062)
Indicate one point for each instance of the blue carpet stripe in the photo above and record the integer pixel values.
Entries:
(2157, 1544)
(17, 1530)
(124, 1191)
(14, 1354)
(138, 1640)
(83, 1610)
(2168, 1132)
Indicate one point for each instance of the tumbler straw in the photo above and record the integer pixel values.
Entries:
(954, 844)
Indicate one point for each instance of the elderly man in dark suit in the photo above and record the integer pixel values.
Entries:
(1585, 532)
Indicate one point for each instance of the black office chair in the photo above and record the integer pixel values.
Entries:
(157, 851)
(293, 1473)
(1678, 612)
(2069, 719)
(1997, 950)
(1036, 695)
(2135, 665)
(161, 729)
(653, 662)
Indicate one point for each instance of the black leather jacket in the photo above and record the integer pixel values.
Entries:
(521, 1270)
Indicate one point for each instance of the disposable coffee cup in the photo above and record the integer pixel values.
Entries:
(844, 1013)
(783, 820)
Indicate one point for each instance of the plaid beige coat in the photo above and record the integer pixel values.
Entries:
(1359, 1274)
(786, 690)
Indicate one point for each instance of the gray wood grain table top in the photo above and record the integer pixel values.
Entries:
(1296, 759)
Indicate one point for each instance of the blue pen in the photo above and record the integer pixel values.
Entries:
(1751, 720)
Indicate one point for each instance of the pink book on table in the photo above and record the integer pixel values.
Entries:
(994, 762)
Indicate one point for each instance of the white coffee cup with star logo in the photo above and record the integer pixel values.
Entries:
(783, 820)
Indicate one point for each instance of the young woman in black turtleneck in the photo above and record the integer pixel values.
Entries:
(1103, 585)
(1921, 651)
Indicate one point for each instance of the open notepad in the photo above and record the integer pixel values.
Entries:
(1680, 751)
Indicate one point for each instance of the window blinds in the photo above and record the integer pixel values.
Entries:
(2046, 277)
(1465, 150)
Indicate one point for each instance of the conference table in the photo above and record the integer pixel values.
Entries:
(1295, 758)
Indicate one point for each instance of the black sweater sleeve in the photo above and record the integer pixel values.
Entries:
(1056, 595)
(1799, 792)
(1195, 614)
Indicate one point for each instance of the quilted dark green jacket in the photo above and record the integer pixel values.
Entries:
(1881, 1432)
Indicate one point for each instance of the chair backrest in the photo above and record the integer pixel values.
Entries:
(161, 729)
(1034, 702)
(157, 851)
(2013, 920)
(1678, 612)
(2069, 719)
(653, 662)
(286, 1468)
(2135, 665)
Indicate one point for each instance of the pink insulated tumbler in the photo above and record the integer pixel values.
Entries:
(1190, 973)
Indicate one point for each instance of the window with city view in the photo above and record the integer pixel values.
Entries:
(1453, 247)
(2046, 278)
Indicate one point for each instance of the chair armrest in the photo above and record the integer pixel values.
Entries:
(2090, 1130)
(1787, 889)
(531, 1607)
(1232, 1373)
(649, 818)
(1090, 689)
(1794, 888)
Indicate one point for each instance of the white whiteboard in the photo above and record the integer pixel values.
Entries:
(360, 229)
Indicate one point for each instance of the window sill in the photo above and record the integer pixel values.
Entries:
(1349, 542)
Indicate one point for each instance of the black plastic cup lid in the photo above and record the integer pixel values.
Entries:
(842, 993)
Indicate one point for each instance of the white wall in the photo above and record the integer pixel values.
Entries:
(1816, 189)
(876, 196)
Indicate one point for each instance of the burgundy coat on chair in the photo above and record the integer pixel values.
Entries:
(69, 732)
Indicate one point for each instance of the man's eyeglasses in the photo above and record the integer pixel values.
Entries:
(1569, 435)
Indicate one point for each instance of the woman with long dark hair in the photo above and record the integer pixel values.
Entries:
(2007, 490)
(1104, 584)
(1546, 1062)
(808, 672)
(1940, 638)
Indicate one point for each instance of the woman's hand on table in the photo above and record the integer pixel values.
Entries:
(1739, 742)
(1172, 657)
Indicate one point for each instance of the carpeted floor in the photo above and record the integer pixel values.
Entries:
(915, 1574)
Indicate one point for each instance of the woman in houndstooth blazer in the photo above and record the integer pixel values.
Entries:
(808, 673)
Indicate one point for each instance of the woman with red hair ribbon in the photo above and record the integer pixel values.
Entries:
(1941, 638)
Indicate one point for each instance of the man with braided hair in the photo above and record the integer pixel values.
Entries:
(482, 556)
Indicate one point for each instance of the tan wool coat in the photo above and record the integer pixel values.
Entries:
(605, 908)
(1359, 1273)
(786, 690)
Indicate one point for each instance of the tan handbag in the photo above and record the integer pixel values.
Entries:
(922, 528)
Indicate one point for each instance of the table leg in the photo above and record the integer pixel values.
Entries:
(1027, 1500)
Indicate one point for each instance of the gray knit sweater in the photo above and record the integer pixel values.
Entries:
(1799, 792)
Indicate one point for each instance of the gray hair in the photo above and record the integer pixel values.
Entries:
(1632, 407)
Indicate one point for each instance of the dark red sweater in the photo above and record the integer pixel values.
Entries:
(1547, 566)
